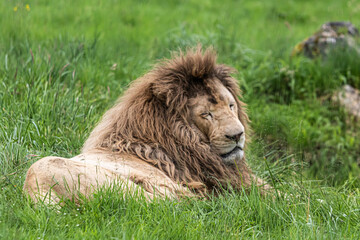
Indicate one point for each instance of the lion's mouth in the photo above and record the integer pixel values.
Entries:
(235, 151)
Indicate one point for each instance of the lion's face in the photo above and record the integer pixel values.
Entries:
(216, 120)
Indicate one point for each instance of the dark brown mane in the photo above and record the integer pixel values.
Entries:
(151, 121)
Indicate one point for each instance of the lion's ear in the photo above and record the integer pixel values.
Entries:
(168, 93)
(161, 92)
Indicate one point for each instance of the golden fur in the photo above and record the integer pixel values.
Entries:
(152, 123)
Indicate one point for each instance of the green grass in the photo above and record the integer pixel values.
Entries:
(57, 79)
(113, 215)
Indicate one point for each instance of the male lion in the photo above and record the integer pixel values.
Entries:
(178, 131)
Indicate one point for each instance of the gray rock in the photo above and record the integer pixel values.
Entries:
(349, 98)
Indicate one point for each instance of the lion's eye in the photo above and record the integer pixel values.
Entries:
(206, 115)
(232, 106)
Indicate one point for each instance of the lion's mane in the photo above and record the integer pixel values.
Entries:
(151, 121)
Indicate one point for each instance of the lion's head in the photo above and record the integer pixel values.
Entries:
(215, 116)
(185, 118)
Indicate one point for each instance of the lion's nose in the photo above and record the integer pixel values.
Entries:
(235, 137)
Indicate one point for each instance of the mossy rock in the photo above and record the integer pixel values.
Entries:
(332, 35)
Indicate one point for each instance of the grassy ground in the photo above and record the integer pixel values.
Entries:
(58, 76)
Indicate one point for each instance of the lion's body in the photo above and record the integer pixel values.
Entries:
(84, 173)
(158, 139)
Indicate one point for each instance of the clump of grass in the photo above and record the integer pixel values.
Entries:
(316, 134)
(299, 78)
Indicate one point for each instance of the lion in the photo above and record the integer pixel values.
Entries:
(177, 131)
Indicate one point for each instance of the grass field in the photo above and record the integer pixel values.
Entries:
(64, 63)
